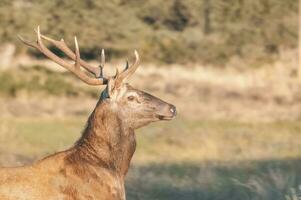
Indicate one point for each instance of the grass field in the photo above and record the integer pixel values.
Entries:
(182, 159)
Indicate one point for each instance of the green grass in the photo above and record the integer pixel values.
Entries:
(183, 159)
(35, 138)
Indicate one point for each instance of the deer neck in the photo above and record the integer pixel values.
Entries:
(106, 141)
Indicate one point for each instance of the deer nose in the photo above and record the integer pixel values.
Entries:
(173, 110)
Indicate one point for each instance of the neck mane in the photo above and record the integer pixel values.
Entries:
(106, 142)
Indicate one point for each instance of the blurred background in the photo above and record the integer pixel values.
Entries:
(231, 68)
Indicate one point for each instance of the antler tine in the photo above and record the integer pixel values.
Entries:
(133, 68)
(129, 70)
(126, 65)
(102, 58)
(34, 45)
(60, 44)
(77, 54)
(116, 73)
(102, 65)
(102, 62)
(73, 68)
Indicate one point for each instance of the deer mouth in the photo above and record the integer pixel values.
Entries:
(162, 117)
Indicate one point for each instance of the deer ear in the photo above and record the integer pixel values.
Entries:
(111, 86)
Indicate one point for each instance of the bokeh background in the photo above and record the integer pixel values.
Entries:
(230, 67)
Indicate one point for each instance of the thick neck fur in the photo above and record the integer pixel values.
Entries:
(106, 142)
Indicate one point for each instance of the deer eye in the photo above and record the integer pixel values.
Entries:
(131, 98)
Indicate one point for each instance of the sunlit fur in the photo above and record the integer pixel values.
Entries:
(95, 167)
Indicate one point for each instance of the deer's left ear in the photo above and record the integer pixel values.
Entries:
(111, 87)
(114, 89)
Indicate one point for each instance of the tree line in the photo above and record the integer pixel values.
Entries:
(213, 32)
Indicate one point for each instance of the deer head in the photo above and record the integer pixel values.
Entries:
(133, 107)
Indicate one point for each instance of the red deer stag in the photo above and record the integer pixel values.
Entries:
(96, 166)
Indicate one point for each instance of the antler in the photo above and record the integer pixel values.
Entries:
(74, 68)
(129, 70)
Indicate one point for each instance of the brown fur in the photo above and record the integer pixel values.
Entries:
(96, 166)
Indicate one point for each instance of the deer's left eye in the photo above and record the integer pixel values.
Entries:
(131, 98)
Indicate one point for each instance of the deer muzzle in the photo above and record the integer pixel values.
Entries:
(169, 112)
